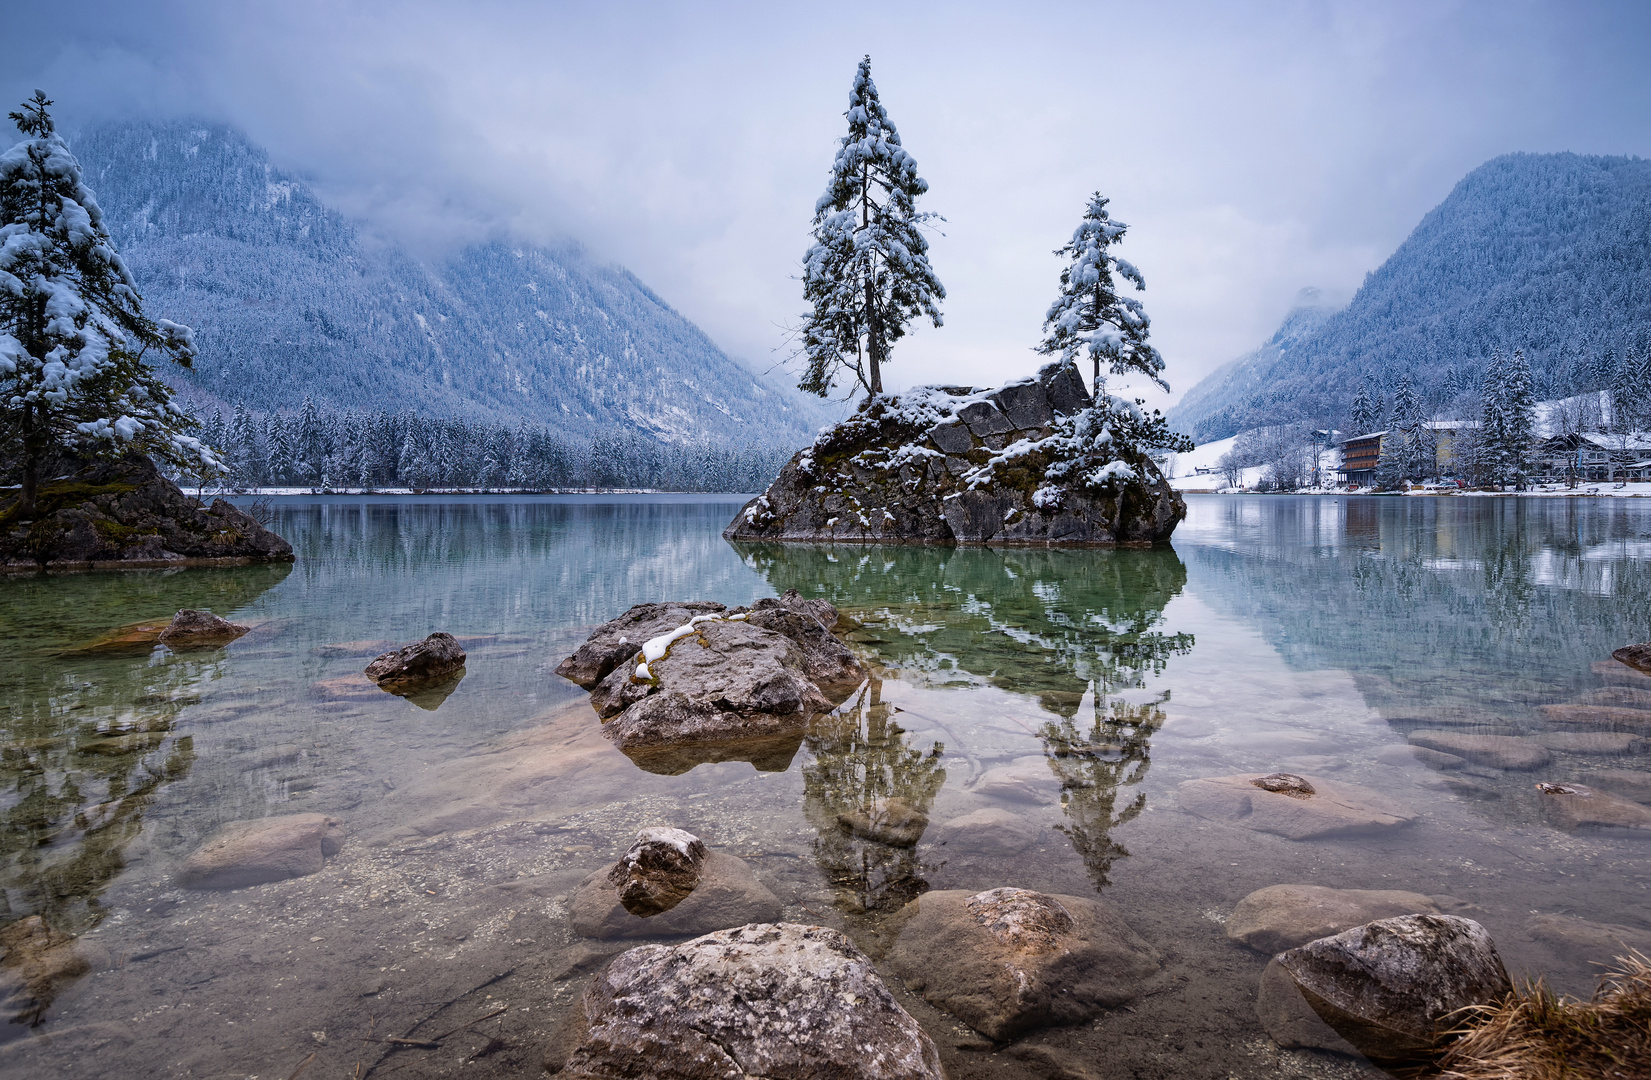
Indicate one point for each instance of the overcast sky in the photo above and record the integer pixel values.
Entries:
(1252, 148)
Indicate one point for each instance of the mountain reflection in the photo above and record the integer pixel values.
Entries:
(1071, 628)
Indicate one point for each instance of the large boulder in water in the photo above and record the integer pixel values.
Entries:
(774, 1000)
(125, 515)
(1034, 461)
(617, 640)
(425, 663)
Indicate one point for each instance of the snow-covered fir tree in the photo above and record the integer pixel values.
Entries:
(1508, 420)
(867, 274)
(74, 340)
(1364, 414)
(1090, 317)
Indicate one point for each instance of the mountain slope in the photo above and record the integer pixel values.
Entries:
(1550, 253)
(287, 298)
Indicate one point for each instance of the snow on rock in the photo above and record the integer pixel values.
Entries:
(1036, 460)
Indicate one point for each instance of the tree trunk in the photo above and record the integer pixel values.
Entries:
(874, 334)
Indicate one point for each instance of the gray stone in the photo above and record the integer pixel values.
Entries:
(268, 849)
(1389, 987)
(1587, 942)
(1010, 960)
(827, 662)
(725, 893)
(1632, 783)
(1604, 717)
(897, 822)
(1630, 697)
(1027, 782)
(952, 437)
(199, 629)
(984, 418)
(1496, 751)
(1637, 657)
(989, 831)
(617, 640)
(658, 871)
(1281, 917)
(772, 1000)
(1592, 742)
(1333, 809)
(1575, 806)
(434, 660)
(1025, 404)
(1063, 388)
(1287, 1018)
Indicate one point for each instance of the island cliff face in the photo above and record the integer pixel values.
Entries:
(1032, 462)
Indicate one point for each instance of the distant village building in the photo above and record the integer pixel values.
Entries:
(1447, 439)
(1593, 455)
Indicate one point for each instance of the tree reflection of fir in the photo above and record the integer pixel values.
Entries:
(867, 794)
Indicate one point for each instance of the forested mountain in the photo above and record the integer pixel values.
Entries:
(1549, 253)
(288, 298)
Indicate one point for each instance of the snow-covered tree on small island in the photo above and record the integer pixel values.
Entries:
(867, 274)
(1090, 317)
(73, 335)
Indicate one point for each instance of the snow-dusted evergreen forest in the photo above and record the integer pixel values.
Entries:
(1547, 253)
(288, 298)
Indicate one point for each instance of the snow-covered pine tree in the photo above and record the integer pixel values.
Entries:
(73, 333)
(1631, 391)
(1090, 317)
(1362, 413)
(1508, 420)
(867, 275)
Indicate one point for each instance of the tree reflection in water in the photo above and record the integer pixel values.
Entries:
(1079, 630)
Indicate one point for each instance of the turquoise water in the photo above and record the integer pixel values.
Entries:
(1075, 689)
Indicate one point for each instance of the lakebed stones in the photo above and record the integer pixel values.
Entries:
(1389, 987)
(1637, 656)
(1575, 806)
(124, 514)
(1331, 808)
(191, 628)
(1593, 742)
(1281, 917)
(269, 849)
(423, 664)
(774, 1000)
(1496, 751)
(1009, 960)
(1029, 462)
(1630, 783)
(720, 685)
(897, 821)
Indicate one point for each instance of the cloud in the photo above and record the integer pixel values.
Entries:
(1253, 148)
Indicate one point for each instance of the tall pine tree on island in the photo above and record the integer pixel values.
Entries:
(1090, 317)
(73, 335)
(867, 275)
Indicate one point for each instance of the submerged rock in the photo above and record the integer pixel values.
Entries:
(773, 1000)
(1607, 717)
(1637, 656)
(1010, 960)
(192, 628)
(1593, 742)
(1288, 1019)
(1281, 917)
(125, 514)
(1389, 987)
(990, 831)
(1631, 783)
(36, 962)
(1034, 461)
(1586, 941)
(269, 849)
(1574, 806)
(1332, 808)
(897, 822)
(422, 664)
(1496, 751)
(725, 893)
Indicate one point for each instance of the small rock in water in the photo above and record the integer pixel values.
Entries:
(1631, 783)
(990, 831)
(726, 893)
(1637, 657)
(1573, 806)
(1608, 717)
(200, 629)
(246, 853)
(897, 822)
(1333, 808)
(1389, 987)
(1032, 782)
(423, 663)
(659, 871)
(1010, 960)
(1592, 742)
(1285, 784)
(774, 1000)
(1497, 751)
(1281, 917)
(1588, 942)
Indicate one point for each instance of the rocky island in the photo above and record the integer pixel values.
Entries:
(1035, 461)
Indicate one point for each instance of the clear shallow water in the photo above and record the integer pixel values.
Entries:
(1073, 688)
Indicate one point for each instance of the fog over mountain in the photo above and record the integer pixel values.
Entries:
(1550, 253)
(288, 298)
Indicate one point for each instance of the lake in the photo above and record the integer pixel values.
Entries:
(1076, 689)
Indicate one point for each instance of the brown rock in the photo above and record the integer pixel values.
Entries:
(246, 853)
(990, 831)
(727, 893)
(1389, 987)
(1281, 917)
(1631, 783)
(1586, 941)
(1592, 742)
(658, 872)
(1573, 806)
(423, 663)
(772, 1000)
(1030, 782)
(1334, 808)
(1009, 960)
(1637, 657)
(1289, 1020)
(202, 629)
(36, 963)
(1497, 751)
(897, 822)
(617, 640)
(1609, 717)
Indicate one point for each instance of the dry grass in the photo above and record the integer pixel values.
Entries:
(1537, 1035)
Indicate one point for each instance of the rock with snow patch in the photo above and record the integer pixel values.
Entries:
(1035, 461)
(617, 640)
